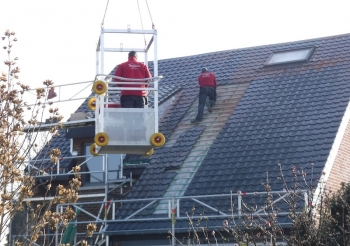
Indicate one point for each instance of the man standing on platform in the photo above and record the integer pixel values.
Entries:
(134, 70)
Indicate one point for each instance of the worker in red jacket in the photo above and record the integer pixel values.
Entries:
(207, 89)
(136, 70)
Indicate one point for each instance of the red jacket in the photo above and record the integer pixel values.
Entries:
(207, 79)
(133, 69)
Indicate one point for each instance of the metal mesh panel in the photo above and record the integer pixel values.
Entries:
(129, 126)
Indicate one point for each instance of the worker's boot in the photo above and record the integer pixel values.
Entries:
(195, 121)
(209, 106)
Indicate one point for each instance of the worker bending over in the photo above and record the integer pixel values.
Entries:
(207, 93)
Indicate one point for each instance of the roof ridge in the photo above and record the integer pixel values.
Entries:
(257, 47)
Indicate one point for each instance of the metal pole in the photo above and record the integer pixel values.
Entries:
(56, 239)
(239, 205)
(101, 116)
(27, 226)
(173, 221)
(97, 62)
(121, 167)
(155, 68)
(155, 62)
(146, 62)
(102, 50)
(169, 208)
(105, 169)
(306, 198)
(58, 166)
(146, 58)
(107, 240)
(10, 234)
(177, 207)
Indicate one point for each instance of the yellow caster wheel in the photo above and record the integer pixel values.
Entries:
(149, 152)
(93, 149)
(101, 139)
(99, 87)
(157, 139)
(92, 103)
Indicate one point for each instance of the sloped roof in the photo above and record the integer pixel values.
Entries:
(41, 161)
(289, 115)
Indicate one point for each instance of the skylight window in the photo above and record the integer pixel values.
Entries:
(290, 56)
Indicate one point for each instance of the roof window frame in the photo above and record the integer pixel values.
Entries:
(305, 59)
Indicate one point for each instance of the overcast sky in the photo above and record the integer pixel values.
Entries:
(57, 38)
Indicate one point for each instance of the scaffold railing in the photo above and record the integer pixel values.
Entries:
(111, 206)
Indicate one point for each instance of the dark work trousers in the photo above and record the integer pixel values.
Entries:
(128, 101)
(204, 92)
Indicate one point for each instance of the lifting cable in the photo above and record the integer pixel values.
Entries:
(153, 27)
(138, 5)
(144, 37)
(103, 20)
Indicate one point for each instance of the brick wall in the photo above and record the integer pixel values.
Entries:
(78, 144)
(340, 171)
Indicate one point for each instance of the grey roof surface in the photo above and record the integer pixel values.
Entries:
(59, 142)
(163, 166)
(289, 114)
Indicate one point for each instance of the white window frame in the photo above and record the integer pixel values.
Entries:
(285, 60)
